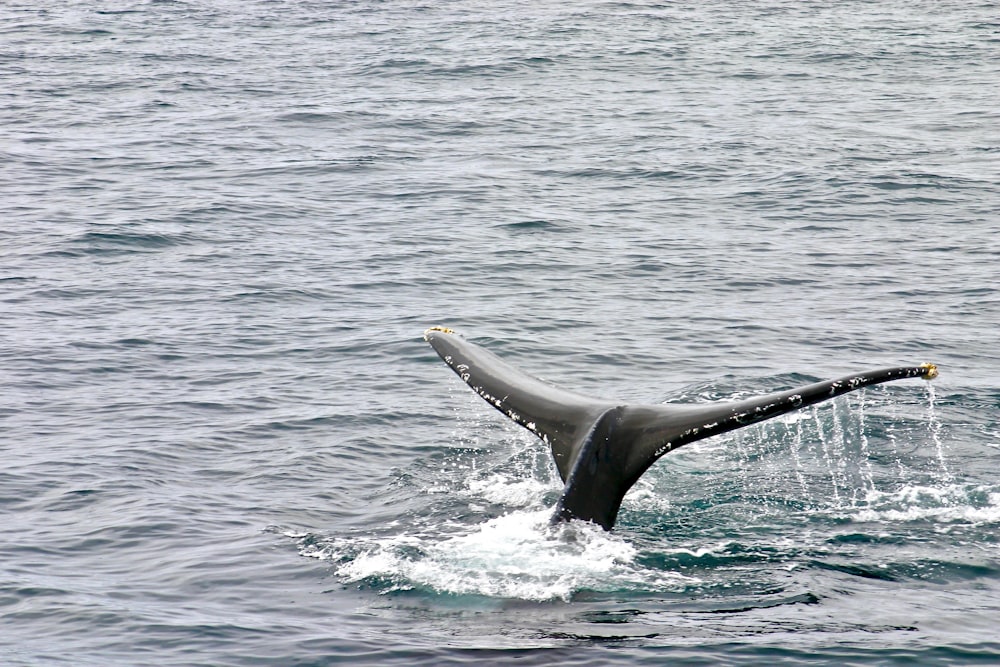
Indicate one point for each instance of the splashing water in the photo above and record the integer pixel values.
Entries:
(934, 428)
(869, 474)
(514, 556)
(970, 505)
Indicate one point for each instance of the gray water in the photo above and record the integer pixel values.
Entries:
(226, 225)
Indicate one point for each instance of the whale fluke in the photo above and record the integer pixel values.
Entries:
(602, 447)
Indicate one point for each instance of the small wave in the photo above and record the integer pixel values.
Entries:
(531, 226)
(120, 243)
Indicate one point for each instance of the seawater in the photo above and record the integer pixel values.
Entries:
(225, 226)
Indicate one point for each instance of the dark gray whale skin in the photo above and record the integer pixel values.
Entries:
(600, 447)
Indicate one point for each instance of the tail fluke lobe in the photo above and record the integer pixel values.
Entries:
(560, 418)
(667, 427)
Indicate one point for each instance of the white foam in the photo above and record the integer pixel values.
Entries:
(947, 504)
(517, 556)
(502, 490)
(644, 495)
(717, 549)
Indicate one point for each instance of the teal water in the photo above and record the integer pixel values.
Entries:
(226, 225)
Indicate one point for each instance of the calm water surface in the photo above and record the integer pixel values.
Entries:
(225, 226)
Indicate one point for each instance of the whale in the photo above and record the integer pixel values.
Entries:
(602, 447)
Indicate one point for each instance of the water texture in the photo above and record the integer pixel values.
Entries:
(224, 226)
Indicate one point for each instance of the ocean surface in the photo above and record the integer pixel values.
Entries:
(225, 225)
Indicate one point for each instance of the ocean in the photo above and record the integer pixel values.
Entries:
(226, 225)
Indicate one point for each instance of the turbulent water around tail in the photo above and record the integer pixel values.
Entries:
(855, 487)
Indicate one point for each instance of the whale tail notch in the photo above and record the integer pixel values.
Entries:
(602, 447)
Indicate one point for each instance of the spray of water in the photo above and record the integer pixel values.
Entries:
(934, 429)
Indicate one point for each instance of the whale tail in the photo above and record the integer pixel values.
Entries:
(601, 447)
